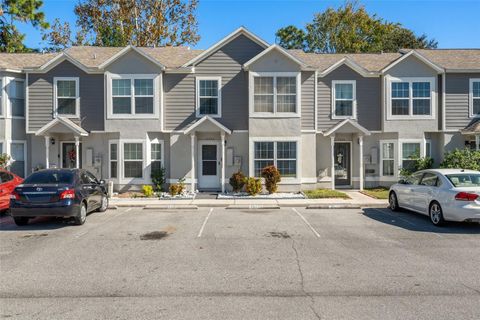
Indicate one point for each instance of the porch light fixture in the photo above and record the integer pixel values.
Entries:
(52, 141)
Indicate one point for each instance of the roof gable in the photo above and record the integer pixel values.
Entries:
(352, 65)
(124, 51)
(417, 55)
(271, 49)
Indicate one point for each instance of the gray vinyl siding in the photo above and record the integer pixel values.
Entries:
(308, 100)
(368, 99)
(227, 63)
(457, 106)
(40, 97)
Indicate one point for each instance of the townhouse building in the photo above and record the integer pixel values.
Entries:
(325, 120)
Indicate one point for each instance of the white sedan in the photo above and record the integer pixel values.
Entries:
(442, 194)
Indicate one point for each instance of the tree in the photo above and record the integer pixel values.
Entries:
(122, 22)
(351, 29)
(18, 11)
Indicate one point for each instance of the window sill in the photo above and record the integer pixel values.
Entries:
(275, 115)
(343, 117)
(390, 117)
(132, 117)
(210, 115)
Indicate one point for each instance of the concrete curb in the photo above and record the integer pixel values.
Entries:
(171, 207)
(253, 206)
(345, 206)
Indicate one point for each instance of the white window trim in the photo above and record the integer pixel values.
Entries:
(110, 142)
(3, 148)
(422, 142)
(395, 156)
(354, 99)
(143, 179)
(285, 180)
(470, 98)
(6, 96)
(411, 116)
(77, 97)
(8, 149)
(149, 155)
(274, 114)
(157, 85)
(3, 98)
(219, 96)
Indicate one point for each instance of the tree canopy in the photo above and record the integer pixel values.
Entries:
(123, 22)
(13, 12)
(351, 29)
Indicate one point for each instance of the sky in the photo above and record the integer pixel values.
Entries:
(453, 23)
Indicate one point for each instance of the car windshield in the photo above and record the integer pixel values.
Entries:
(465, 179)
(50, 177)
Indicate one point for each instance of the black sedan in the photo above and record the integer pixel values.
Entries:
(58, 193)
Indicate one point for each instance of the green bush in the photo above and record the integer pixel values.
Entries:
(462, 159)
(272, 178)
(4, 158)
(253, 186)
(177, 188)
(147, 191)
(158, 179)
(419, 164)
(237, 181)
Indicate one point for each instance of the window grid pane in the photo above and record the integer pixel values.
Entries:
(208, 105)
(263, 85)
(208, 88)
(156, 152)
(421, 89)
(133, 151)
(421, 106)
(344, 91)
(286, 85)
(122, 105)
(144, 105)
(476, 106)
(400, 107)
(133, 169)
(66, 106)
(66, 89)
(410, 150)
(143, 87)
(264, 150)
(400, 90)
(121, 87)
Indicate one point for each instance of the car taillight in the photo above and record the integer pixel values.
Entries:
(465, 196)
(14, 196)
(67, 194)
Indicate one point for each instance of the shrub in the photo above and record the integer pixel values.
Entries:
(419, 164)
(272, 177)
(462, 159)
(177, 188)
(147, 191)
(253, 186)
(4, 159)
(237, 181)
(158, 178)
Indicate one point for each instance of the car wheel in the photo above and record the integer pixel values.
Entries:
(20, 221)
(436, 214)
(104, 204)
(393, 201)
(82, 215)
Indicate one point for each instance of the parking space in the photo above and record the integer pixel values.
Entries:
(300, 261)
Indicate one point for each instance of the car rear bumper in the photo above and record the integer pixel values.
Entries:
(467, 212)
(62, 209)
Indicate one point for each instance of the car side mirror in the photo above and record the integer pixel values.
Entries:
(403, 181)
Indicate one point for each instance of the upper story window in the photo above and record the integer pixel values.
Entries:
(67, 97)
(344, 101)
(474, 97)
(209, 98)
(17, 97)
(411, 97)
(275, 93)
(133, 96)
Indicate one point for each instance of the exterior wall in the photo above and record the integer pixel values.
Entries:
(411, 127)
(40, 97)
(368, 95)
(457, 110)
(308, 100)
(227, 63)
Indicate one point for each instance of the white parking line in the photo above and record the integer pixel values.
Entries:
(306, 222)
(204, 223)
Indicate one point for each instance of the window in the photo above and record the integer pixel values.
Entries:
(388, 158)
(156, 156)
(1, 148)
(17, 154)
(17, 98)
(430, 180)
(428, 148)
(275, 93)
(209, 96)
(344, 99)
(282, 154)
(1, 99)
(415, 178)
(133, 160)
(474, 97)
(133, 95)
(113, 160)
(411, 97)
(410, 152)
(66, 96)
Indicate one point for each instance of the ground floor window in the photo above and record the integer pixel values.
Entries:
(410, 152)
(388, 158)
(282, 154)
(156, 156)
(113, 160)
(1, 148)
(133, 160)
(17, 154)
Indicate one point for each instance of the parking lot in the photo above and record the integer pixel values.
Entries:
(215, 263)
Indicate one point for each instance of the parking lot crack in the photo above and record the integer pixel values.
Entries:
(302, 281)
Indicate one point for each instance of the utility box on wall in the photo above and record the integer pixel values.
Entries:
(229, 157)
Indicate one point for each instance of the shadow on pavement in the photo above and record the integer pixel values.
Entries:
(36, 224)
(417, 222)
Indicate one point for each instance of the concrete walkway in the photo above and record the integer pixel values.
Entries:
(356, 200)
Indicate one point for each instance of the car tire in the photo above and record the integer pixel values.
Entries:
(103, 204)
(20, 221)
(82, 215)
(435, 213)
(393, 201)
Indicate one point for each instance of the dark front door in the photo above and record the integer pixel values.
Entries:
(69, 155)
(342, 164)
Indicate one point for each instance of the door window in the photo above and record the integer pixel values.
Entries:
(209, 160)
(429, 179)
(415, 178)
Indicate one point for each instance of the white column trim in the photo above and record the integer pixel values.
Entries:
(222, 137)
(192, 149)
(77, 152)
(47, 152)
(332, 158)
(360, 142)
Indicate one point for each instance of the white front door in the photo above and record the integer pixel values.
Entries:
(208, 165)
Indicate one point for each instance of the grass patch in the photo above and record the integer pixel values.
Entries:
(325, 193)
(377, 193)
